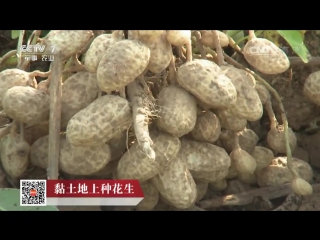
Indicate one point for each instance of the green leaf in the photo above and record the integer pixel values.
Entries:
(44, 32)
(13, 60)
(15, 34)
(232, 33)
(295, 40)
(236, 35)
(10, 201)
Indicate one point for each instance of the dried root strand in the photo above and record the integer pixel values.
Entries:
(79, 68)
(235, 47)
(181, 53)
(189, 51)
(172, 71)
(141, 112)
(271, 115)
(216, 40)
(33, 39)
(76, 61)
(199, 44)
(40, 74)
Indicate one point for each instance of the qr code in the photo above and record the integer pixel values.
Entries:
(33, 192)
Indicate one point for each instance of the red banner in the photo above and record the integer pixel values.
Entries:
(94, 189)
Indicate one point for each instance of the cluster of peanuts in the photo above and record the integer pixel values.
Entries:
(199, 138)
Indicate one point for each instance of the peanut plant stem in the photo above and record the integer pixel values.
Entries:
(20, 41)
(199, 44)
(24, 63)
(141, 113)
(55, 118)
(173, 71)
(234, 45)
(217, 44)
(252, 35)
(272, 117)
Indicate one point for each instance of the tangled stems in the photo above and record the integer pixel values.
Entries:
(217, 44)
(199, 44)
(33, 39)
(21, 36)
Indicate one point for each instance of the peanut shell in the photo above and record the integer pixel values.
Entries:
(276, 139)
(202, 188)
(263, 93)
(243, 161)
(205, 80)
(207, 39)
(311, 87)
(14, 154)
(206, 162)
(72, 160)
(160, 54)
(232, 172)
(277, 172)
(97, 49)
(265, 56)
(176, 184)
(248, 139)
(100, 121)
(121, 64)
(35, 132)
(151, 197)
(263, 157)
(247, 178)
(78, 91)
(26, 105)
(118, 145)
(145, 35)
(218, 185)
(178, 37)
(14, 77)
(301, 187)
(178, 114)
(207, 128)
(135, 164)
(230, 121)
(68, 42)
(248, 104)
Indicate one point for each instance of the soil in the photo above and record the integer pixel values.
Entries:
(299, 110)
